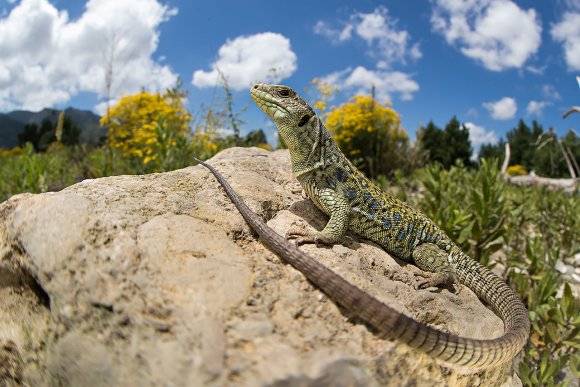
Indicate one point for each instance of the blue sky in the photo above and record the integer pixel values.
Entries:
(489, 62)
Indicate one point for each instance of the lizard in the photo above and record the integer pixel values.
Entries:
(355, 203)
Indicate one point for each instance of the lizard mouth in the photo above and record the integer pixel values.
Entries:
(268, 103)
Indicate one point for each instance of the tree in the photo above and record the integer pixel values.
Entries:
(522, 139)
(42, 136)
(29, 134)
(430, 139)
(144, 124)
(555, 157)
(255, 138)
(370, 135)
(39, 136)
(538, 150)
(456, 140)
(70, 132)
(493, 151)
(571, 145)
(446, 146)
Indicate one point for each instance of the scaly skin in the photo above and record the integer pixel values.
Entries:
(354, 203)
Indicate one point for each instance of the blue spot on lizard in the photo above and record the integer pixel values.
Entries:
(331, 182)
(350, 194)
(341, 175)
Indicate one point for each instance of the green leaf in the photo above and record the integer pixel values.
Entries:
(569, 303)
(544, 362)
(573, 344)
(551, 371)
(552, 331)
(525, 374)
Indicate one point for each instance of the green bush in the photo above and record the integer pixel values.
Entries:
(531, 230)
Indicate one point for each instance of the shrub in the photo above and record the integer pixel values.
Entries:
(370, 135)
(146, 125)
(516, 170)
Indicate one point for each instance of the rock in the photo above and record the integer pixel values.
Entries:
(157, 280)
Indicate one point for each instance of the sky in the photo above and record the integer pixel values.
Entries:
(487, 62)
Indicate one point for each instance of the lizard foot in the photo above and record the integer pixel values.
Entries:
(435, 280)
(302, 236)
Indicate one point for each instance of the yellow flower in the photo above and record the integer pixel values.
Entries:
(133, 123)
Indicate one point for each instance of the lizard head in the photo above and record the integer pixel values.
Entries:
(289, 112)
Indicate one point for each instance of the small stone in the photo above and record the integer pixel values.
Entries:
(561, 267)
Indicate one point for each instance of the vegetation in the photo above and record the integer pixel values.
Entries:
(146, 125)
(525, 233)
(148, 132)
(42, 136)
(533, 148)
(445, 146)
(370, 134)
(522, 233)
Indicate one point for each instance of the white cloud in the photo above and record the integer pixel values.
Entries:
(536, 107)
(46, 59)
(496, 33)
(567, 32)
(478, 135)
(385, 41)
(503, 109)
(549, 91)
(572, 5)
(472, 112)
(387, 83)
(538, 70)
(335, 35)
(265, 56)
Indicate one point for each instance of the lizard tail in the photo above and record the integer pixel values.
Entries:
(504, 302)
(473, 354)
(387, 322)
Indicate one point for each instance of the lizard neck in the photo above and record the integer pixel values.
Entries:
(310, 147)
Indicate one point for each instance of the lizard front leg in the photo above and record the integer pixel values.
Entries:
(339, 209)
(430, 258)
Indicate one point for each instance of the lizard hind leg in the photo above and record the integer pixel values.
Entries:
(430, 258)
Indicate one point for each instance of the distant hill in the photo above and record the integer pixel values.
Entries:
(9, 129)
(12, 123)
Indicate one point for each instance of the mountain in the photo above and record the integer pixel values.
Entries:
(12, 123)
(9, 129)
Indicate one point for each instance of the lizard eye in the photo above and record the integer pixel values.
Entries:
(284, 93)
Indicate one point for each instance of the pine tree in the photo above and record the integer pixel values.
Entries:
(456, 141)
(431, 138)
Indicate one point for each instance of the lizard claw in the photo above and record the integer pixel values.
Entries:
(303, 236)
(435, 280)
(295, 232)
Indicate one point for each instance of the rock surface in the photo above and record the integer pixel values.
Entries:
(157, 280)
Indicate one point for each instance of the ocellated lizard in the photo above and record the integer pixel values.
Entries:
(355, 203)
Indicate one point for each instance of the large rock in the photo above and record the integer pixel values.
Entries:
(157, 280)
